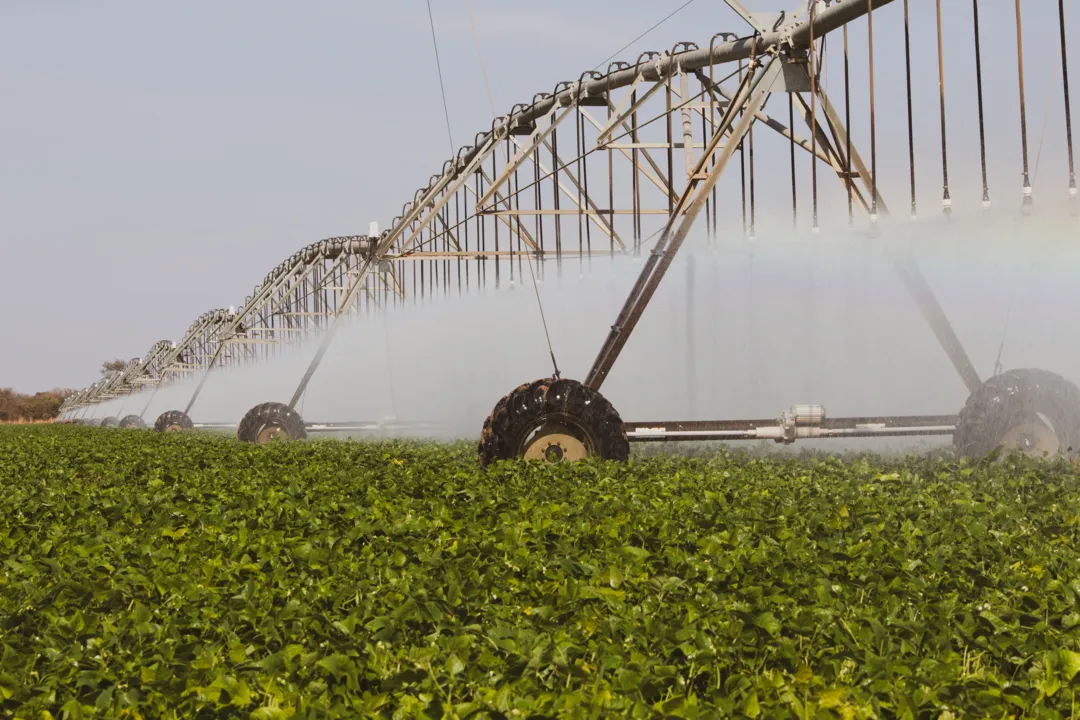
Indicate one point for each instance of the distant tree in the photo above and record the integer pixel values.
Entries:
(16, 407)
(110, 366)
(8, 404)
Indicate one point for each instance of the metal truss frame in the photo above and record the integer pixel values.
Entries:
(523, 194)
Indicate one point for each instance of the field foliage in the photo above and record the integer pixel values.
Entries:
(191, 576)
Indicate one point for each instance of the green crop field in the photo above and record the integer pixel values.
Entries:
(150, 575)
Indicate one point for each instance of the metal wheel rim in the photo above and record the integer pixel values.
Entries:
(269, 433)
(173, 428)
(1035, 437)
(557, 438)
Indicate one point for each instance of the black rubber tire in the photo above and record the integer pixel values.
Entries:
(109, 422)
(177, 420)
(270, 414)
(518, 414)
(134, 422)
(1006, 400)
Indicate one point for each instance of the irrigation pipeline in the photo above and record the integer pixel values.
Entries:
(416, 228)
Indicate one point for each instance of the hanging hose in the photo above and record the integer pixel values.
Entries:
(1068, 107)
(742, 163)
(910, 123)
(813, 116)
(794, 195)
(982, 120)
(1028, 199)
(873, 120)
(847, 123)
(946, 201)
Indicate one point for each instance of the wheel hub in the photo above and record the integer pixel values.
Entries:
(1035, 437)
(271, 432)
(553, 443)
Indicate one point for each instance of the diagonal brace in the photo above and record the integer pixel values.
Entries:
(753, 94)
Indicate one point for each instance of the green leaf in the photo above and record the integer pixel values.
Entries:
(1070, 663)
(148, 674)
(72, 710)
(241, 694)
(831, 698)
(768, 622)
(636, 552)
(140, 613)
(454, 665)
(336, 664)
(751, 707)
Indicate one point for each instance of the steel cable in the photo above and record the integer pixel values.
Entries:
(675, 12)
(442, 86)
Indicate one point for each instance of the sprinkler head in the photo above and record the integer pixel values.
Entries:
(873, 231)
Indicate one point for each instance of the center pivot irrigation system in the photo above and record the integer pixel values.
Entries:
(601, 166)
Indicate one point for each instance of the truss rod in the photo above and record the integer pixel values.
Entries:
(752, 96)
(832, 18)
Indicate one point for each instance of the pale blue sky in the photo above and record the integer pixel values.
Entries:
(159, 158)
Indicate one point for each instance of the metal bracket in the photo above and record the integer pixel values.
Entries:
(766, 22)
(795, 77)
(763, 22)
